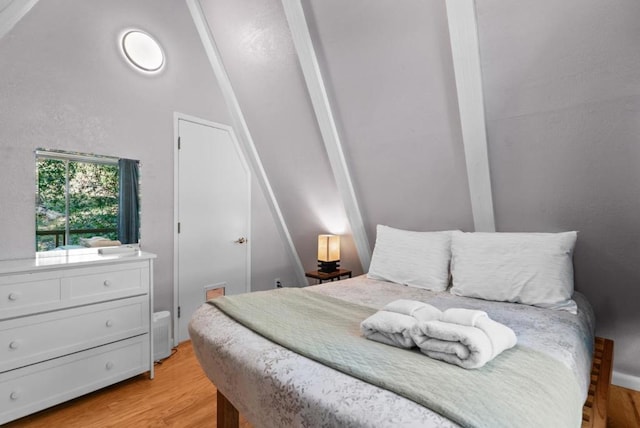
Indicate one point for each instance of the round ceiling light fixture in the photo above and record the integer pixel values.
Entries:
(143, 51)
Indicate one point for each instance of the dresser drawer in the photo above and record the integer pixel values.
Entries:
(39, 386)
(106, 283)
(32, 293)
(25, 293)
(28, 340)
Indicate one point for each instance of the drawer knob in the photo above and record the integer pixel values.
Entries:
(109, 365)
(109, 323)
(14, 345)
(14, 396)
(13, 296)
(106, 283)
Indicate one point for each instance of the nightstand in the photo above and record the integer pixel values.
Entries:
(331, 276)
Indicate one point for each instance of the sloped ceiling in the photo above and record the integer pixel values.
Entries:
(562, 91)
(551, 100)
(254, 39)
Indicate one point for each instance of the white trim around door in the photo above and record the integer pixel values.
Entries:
(177, 117)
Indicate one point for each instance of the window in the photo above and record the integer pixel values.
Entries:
(77, 197)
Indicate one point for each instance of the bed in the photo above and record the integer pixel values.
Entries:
(273, 386)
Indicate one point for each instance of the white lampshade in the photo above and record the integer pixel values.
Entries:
(328, 248)
(143, 51)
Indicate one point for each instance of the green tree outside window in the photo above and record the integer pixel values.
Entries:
(75, 196)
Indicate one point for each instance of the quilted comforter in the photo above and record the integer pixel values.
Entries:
(273, 386)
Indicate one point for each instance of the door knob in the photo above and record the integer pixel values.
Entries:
(240, 240)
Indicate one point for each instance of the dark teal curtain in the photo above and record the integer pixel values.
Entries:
(129, 203)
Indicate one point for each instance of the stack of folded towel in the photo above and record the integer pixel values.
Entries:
(392, 325)
(465, 337)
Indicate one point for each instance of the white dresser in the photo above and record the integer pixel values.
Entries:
(71, 324)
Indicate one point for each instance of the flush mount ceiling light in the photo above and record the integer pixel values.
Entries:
(142, 50)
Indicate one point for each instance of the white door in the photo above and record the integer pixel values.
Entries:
(213, 216)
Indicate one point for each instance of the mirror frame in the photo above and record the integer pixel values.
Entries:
(65, 155)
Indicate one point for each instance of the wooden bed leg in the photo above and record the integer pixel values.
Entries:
(227, 415)
(594, 412)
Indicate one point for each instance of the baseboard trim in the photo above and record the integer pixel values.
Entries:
(626, 380)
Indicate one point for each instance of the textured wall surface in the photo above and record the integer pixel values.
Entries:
(562, 96)
(389, 70)
(561, 88)
(390, 82)
(257, 50)
(65, 85)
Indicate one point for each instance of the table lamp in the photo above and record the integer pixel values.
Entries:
(328, 253)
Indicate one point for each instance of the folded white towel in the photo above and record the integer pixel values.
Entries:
(403, 306)
(391, 328)
(501, 336)
(99, 241)
(468, 338)
(467, 346)
(393, 323)
(463, 316)
(419, 310)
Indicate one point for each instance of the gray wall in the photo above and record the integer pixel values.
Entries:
(65, 85)
(403, 147)
(389, 70)
(258, 53)
(561, 81)
(562, 96)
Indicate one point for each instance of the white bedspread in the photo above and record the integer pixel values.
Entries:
(274, 387)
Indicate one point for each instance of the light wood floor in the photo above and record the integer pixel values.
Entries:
(624, 408)
(182, 396)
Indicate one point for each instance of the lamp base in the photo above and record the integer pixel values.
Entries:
(328, 267)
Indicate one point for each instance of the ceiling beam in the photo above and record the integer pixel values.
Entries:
(243, 133)
(324, 115)
(463, 32)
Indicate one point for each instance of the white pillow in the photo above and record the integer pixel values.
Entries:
(417, 259)
(531, 268)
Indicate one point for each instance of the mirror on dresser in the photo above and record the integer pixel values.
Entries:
(85, 201)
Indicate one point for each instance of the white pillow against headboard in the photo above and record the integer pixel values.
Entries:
(530, 268)
(417, 259)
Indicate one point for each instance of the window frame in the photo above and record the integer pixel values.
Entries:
(68, 157)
